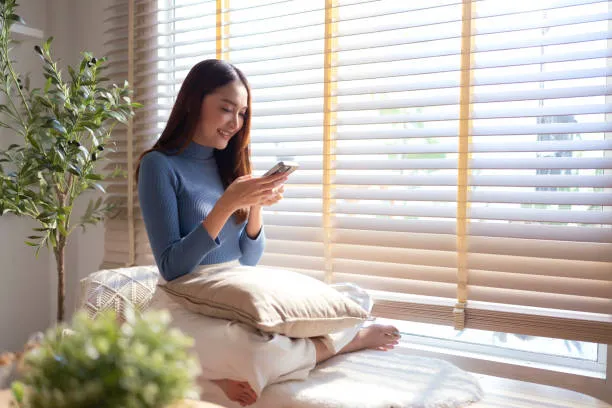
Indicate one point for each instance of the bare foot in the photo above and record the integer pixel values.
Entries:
(238, 391)
(376, 337)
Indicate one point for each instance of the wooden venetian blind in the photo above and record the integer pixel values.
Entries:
(454, 154)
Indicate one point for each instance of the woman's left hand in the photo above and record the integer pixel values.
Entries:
(275, 198)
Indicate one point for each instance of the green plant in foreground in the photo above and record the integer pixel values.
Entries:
(65, 129)
(100, 363)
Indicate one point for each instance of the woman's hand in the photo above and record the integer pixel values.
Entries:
(249, 191)
(276, 196)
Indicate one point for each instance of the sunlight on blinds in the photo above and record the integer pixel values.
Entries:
(452, 153)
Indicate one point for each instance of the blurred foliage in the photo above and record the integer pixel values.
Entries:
(100, 363)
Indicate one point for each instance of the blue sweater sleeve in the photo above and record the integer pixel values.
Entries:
(252, 249)
(157, 192)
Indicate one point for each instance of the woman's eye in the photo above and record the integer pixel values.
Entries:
(226, 110)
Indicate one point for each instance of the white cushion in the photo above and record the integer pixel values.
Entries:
(118, 289)
(269, 299)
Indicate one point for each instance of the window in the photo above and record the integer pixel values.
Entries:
(560, 355)
(454, 154)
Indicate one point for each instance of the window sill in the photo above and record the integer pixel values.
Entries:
(408, 346)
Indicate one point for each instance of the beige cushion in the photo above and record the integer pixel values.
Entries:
(272, 300)
(118, 289)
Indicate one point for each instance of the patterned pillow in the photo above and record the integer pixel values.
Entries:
(118, 289)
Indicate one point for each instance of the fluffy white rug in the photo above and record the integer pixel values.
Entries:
(374, 379)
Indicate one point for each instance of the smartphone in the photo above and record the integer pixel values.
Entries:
(286, 167)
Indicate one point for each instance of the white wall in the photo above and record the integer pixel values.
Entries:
(27, 284)
(24, 284)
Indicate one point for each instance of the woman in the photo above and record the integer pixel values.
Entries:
(202, 207)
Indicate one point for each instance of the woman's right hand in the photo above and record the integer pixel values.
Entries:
(248, 191)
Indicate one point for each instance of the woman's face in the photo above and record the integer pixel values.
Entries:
(221, 115)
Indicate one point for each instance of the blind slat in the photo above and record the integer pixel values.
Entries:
(480, 112)
(514, 255)
(316, 78)
(505, 197)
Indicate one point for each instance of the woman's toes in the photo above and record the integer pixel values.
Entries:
(248, 390)
(246, 399)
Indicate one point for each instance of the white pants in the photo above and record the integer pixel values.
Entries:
(236, 351)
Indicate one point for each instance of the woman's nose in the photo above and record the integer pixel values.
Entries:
(235, 122)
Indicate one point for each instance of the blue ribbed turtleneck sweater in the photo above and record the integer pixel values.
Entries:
(176, 194)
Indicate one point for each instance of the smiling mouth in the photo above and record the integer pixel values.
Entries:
(225, 134)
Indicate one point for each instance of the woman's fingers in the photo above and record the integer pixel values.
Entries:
(243, 178)
(266, 193)
(250, 191)
(272, 200)
(274, 180)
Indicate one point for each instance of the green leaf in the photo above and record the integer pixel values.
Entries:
(99, 187)
(74, 170)
(33, 142)
(94, 176)
(53, 240)
(15, 19)
(73, 74)
(54, 124)
(60, 154)
(45, 215)
(62, 230)
(59, 127)
(47, 44)
(18, 390)
(117, 116)
(84, 151)
(94, 139)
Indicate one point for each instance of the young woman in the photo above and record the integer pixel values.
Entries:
(202, 207)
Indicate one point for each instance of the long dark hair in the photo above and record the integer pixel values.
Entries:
(204, 78)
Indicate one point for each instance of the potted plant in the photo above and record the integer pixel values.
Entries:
(141, 363)
(65, 129)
